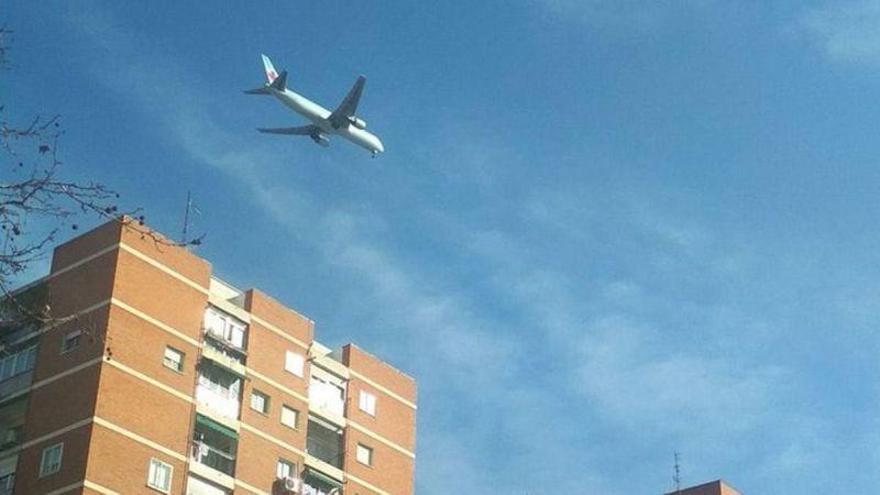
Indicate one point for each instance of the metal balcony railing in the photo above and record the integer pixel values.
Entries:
(206, 455)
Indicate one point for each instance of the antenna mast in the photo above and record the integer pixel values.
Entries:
(183, 238)
(676, 475)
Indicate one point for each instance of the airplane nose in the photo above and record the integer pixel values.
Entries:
(379, 147)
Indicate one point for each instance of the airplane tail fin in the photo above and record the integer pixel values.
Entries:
(274, 79)
(271, 73)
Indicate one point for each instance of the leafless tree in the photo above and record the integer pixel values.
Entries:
(37, 203)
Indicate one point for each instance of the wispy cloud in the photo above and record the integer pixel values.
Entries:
(635, 377)
(630, 15)
(579, 323)
(845, 31)
(465, 359)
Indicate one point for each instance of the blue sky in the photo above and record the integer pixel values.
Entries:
(602, 231)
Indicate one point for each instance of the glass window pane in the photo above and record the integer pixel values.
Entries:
(284, 469)
(237, 335)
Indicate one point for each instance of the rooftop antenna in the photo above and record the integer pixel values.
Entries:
(676, 474)
(190, 209)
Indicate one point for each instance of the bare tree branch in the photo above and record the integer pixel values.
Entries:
(37, 204)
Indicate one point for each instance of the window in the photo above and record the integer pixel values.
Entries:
(173, 359)
(50, 463)
(294, 363)
(159, 476)
(18, 363)
(70, 341)
(289, 417)
(285, 469)
(367, 403)
(259, 402)
(364, 455)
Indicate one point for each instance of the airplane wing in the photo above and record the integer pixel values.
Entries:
(305, 130)
(348, 107)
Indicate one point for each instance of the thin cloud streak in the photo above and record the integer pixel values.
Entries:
(844, 32)
(576, 361)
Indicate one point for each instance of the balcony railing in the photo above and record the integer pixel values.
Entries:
(218, 399)
(206, 455)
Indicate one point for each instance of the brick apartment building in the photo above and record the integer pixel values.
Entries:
(168, 380)
(717, 487)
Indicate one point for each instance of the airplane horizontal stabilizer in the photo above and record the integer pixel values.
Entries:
(258, 91)
(305, 130)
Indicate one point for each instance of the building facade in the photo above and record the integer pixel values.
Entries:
(153, 376)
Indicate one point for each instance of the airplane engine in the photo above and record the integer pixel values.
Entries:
(321, 139)
(360, 124)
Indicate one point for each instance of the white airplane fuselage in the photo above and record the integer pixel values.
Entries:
(318, 115)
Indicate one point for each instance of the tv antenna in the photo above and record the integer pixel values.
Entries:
(676, 473)
(191, 209)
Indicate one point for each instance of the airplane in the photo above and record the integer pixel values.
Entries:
(342, 121)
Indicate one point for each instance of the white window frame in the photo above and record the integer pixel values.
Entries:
(295, 363)
(364, 455)
(166, 361)
(155, 464)
(294, 412)
(69, 337)
(367, 402)
(257, 393)
(285, 465)
(50, 469)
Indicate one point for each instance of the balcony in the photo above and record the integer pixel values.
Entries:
(326, 396)
(228, 330)
(199, 486)
(7, 473)
(11, 437)
(316, 483)
(218, 390)
(224, 355)
(16, 371)
(214, 446)
(324, 442)
(217, 403)
(213, 458)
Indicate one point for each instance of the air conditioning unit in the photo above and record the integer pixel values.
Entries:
(292, 485)
(287, 486)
